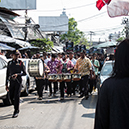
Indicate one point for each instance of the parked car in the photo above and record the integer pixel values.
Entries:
(105, 72)
(4, 95)
(28, 83)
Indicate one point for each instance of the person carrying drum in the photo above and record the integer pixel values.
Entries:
(84, 67)
(52, 64)
(15, 69)
(66, 66)
(40, 81)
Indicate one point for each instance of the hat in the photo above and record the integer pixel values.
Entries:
(16, 52)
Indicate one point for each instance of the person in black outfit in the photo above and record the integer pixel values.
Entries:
(112, 111)
(15, 70)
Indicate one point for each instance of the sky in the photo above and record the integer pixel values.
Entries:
(92, 19)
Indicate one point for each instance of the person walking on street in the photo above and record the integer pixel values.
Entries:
(84, 67)
(52, 64)
(15, 69)
(66, 67)
(74, 83)
(96, 65)
(40, 81)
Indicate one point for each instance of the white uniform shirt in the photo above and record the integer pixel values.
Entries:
(46, 60)
(74, 61)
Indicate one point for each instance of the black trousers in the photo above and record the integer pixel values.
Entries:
(84, 85)
(74, 85)
(15, 92)
(46, 84)
(69, 87)
(95, 81)
(62, 86)
(40, 85)
(55, 87)
(91, 82)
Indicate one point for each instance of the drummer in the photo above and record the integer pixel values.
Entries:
(53, 64)
(84, 67)
(40, 81)
(66, 66)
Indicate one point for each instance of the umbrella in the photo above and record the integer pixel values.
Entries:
(4, 47)
(105, 45)
(29, 47)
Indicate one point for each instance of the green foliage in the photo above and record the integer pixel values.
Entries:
(44, 44)
(120, 39)
(74, 34)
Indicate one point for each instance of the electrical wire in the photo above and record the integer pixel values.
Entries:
(103, 30)
(77, 21)
(65, 8)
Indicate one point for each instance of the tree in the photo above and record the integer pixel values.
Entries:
(74, 34)
(44, 44)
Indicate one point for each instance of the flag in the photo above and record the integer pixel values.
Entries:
(101, 3)
(107, 1)
(118, 8)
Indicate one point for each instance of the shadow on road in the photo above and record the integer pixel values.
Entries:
(90, 103)
(90, 115)
(50, 101)
(6, 117)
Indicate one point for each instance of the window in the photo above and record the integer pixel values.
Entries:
(107, 69)
(3, 64)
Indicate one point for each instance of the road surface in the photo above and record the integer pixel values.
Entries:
(50, 113)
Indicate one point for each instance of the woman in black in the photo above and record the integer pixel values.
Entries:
(112, 111)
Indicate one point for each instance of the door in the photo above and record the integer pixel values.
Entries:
(3, 69)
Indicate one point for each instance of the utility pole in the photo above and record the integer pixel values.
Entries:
(91, 33)
(25, 26)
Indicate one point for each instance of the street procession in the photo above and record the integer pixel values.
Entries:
(64, 64)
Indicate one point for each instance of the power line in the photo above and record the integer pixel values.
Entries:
(78, 20)
(104, 30)
(65, 8)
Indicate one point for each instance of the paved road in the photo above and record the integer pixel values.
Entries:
(50, 113)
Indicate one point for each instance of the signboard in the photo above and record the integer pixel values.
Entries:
(18, 4)
(53, 24)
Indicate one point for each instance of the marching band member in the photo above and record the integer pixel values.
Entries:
(15, 70)
(40, 81)
(52, 64)
(84, 67)
(74, 83)
(66, 66)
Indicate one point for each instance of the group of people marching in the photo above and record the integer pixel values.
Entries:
(66, 63)
(53, 64)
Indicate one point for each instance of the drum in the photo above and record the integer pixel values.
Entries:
(67, 77)
(59, 77)
(76, 77)
(35, 68)
(52, 77)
